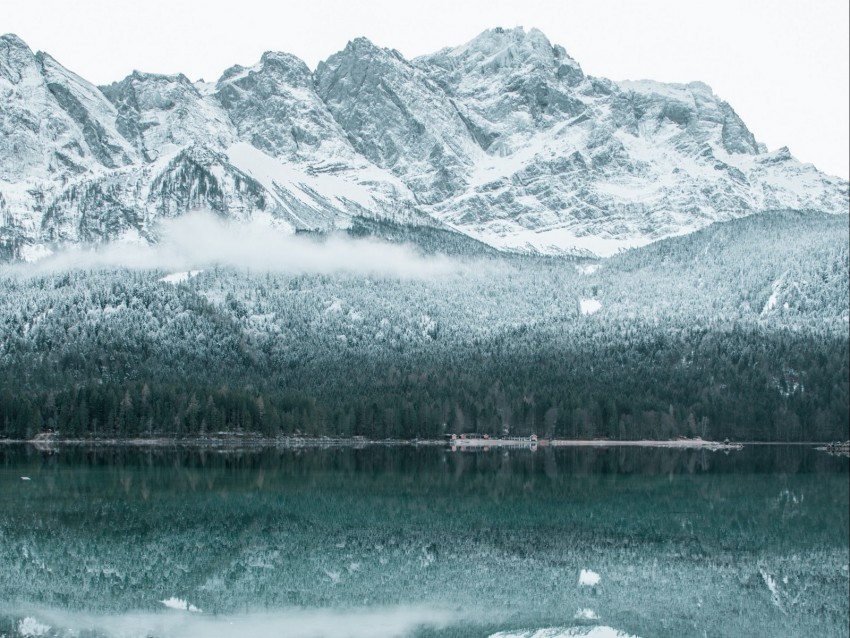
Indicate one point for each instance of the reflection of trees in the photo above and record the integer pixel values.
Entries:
(268, 525)
(193, 468)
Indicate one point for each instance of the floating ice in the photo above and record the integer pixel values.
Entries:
(588, 578)
(177, 603)
(26, 478)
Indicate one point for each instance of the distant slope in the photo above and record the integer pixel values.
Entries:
(690, 336)
(786, 266)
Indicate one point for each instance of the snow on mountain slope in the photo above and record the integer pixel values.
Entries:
(54, 127)
(54, 124)
(313, 200)
(38, 137)
(575, 163)
(289, 137)
(504, 139)
(275, 108)
(94, 115)
(398, 119)
(160, 114)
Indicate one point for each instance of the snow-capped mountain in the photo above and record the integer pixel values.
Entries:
(504, 139)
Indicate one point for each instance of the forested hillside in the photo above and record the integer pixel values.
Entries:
(739, 330)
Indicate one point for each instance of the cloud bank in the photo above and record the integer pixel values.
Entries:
(201, 240)
(369, 622)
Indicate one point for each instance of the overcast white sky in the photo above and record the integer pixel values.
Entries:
(782, 64)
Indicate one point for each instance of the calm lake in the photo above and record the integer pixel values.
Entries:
(405, 541)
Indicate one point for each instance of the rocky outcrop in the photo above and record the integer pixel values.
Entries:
(504, 138)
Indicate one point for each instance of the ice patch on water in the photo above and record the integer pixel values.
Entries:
(29, 626)
(565, 632)
(177, 603)
(586, 614)
(25, 478)
(588, 578)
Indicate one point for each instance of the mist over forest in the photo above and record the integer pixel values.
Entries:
(392, 331)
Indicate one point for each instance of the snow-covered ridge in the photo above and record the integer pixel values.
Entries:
(503, 138)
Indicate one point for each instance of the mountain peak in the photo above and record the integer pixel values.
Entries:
(281, 58)
(515, 49)
(12, 41)
(142, 76)
(288, 66)
(498, 39)
(364, 48)
(503, 138)
(15, 56)
(361, 44)
(285, 66)
(516, 34)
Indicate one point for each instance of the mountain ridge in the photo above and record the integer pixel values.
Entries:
(503, 139)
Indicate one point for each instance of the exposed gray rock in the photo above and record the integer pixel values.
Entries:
(275, 108)
(398, 118)
(503, 138)
(160, 114)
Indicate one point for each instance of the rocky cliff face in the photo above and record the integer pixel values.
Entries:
(576, 162)
(504, 139)
(399, 119)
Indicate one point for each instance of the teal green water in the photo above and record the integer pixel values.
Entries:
(404, 541)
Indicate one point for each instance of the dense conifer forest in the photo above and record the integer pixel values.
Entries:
(739, 330)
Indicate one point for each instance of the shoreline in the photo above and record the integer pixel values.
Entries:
(695, 443)
(236, 442)
(48, 443)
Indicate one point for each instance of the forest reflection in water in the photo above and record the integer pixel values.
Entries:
(469, 543)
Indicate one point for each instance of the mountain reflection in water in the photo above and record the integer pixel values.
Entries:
(407, 541)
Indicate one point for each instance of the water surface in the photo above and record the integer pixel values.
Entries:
(405, 541)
